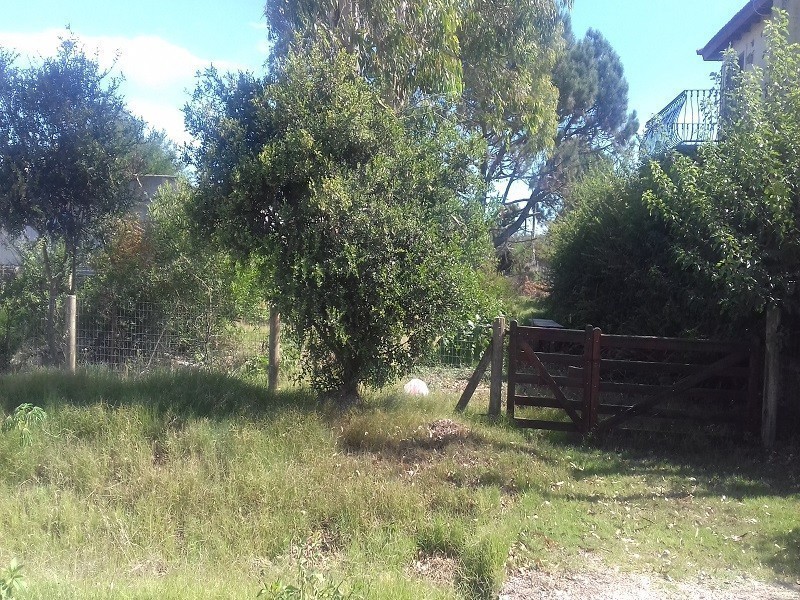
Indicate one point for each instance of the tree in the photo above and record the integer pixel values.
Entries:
(489, 63)
(734, 210)
(545, 104)
(365, 221)
(721, 228)
(67, 157)
(594, 125)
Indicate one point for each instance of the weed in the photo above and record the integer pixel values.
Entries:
(24, 418)
(11, 580)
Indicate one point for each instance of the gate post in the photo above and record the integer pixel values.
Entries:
(591, 378)
(496, 381)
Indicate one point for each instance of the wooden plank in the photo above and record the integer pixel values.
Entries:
(549, 425)
(637, 366)
(543, 402)
(671, 344)
(641, 389)
(572, 360)
(273, 371)
(732, 416)
(537, 379)
(753, 419)
(571, 336)
(531, 356)
(475, 379)
(772, 377)
(680, 387)
(592, 378)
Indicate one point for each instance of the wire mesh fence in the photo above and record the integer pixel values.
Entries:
(140, 336)
(147, 335)
(461, 350)
(136, 337)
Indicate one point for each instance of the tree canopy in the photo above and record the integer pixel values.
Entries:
(593, 125)
(68, 148)
(365, 221)
(689, 237)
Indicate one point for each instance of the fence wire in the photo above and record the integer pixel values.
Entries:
(141, 336)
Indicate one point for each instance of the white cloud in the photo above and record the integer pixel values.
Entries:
(157, 72)
(161, 116)
(146, 60)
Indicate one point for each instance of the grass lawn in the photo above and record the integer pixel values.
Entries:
(198, 485)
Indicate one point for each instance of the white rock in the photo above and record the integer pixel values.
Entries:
(416, 387)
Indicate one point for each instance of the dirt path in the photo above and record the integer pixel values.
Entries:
(610, 585)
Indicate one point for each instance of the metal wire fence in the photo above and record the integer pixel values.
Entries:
(461, 350)
(141, 336)
(138, 337)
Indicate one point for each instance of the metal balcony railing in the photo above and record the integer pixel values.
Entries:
(692, 118)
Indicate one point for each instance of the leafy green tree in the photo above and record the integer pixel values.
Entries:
(594, 126)
(613, 265)
(365, 221)
(490, 62)
(67, 157)
(734, 211)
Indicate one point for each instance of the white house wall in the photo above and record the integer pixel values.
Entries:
(752, 45)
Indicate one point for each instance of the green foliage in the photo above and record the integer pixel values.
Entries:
(187, 283)
(612, 264)
(491, 64)
(11, 580)
(67, 148)
(23, 419)
(311, 584)
(366, 220)
(594, 128)
(734, 212)
(669, 248)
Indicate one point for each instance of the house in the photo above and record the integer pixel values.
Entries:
(745, 32)
(144, 188)
(692, 117)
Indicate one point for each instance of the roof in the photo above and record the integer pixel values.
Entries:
(753, 12)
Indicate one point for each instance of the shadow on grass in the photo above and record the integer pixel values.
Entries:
(786, 554)
(202, 394)
(723, 465)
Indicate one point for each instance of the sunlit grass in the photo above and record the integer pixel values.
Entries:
(197, 485)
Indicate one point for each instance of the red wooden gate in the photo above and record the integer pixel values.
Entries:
(597, 382)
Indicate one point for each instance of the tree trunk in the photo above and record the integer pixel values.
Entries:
(52, 296)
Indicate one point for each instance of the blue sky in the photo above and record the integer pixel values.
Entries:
(162, 43)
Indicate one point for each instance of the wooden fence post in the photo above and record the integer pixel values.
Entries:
(274, 349)
(591, 378)
(772, 377)
(72, 332)
(496, 381)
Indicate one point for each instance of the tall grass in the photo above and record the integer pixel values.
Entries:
(198, 485)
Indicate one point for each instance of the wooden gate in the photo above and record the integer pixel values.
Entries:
(596, 382)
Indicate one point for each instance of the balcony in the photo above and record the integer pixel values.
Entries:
(691, 119)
